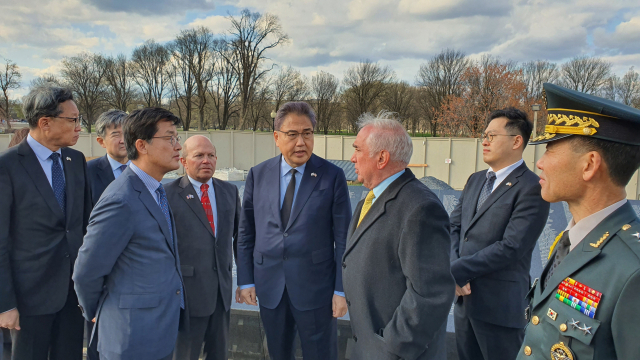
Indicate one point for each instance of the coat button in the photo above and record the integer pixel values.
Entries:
(215, 268)
(535, 320)
(355, 338)
(285, 234)
(563, 327)
(178, 292)
(284, 257)
(344, 265)
(348, 303)
(527, 351)
(466, 239)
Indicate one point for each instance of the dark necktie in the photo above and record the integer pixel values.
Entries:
(57, 182)
(287, 204)
(122, 168)
(206, 205)
(562, 249)
(486, 189)
(164, 205)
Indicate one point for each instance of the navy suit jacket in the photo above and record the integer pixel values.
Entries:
(127, 274)
(303, 255)
(491, 248)
(100, 176)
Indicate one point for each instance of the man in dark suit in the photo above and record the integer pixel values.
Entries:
(396, 270)
(127, 274)
(45, 208)
(585, 305)
(103, 170)
(494, 229)
(207, 213)
(295, 217)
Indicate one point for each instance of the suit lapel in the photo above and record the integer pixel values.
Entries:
(69, 180)
(273, 176)
(223, 204)
(307, 184)
(583, 253)
(105, 173)
(194, 202)
(377, 209)
(151, 205)
(32, 166)
(498, 192)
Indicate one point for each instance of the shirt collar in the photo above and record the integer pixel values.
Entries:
(115, 164)
(285, 167)
(378, 190)
(578, 231)
(504, 172)
(198, 184)
(41, 151)
(148, 180)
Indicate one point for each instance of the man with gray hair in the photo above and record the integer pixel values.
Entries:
(395, 269)
(45, 209)
(103, 170)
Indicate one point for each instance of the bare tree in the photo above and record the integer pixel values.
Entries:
(259, 109)
(585, 74)
(438, 80)
(44, 79)
(365, 85)
(150, 69)
(224, 88)
(289, 85)
(537, 72)
(118, 77)
(399, 98)
(628, 88)
(84, 74)
(182, 85)
(9, 80)
(324, 90)
(250, 37)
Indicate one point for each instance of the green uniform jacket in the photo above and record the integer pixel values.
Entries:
(611, 266)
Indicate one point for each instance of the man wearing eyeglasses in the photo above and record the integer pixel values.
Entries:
(494, 228)
(294, 222)
(45, 202)
(127, 275)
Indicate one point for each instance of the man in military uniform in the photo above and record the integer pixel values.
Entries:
(585, 305)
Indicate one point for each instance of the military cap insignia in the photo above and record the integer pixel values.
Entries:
(560, 351)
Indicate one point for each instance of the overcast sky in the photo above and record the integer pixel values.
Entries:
(331, 35)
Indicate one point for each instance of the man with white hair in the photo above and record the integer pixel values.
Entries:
(396, 272)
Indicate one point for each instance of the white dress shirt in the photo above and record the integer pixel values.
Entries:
(43, 153)
(115, 166)
(504, 172)
(578, 231)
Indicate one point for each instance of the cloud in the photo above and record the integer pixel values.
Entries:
(625, 39)
(152, 7)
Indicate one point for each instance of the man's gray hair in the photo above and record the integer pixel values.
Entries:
(110, 118)
(295, 107)
(44, 101)
(388, 134)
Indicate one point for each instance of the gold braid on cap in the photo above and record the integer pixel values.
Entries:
(582, 128)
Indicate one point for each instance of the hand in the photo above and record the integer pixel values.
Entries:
(10, 320)
(248, 296)
(93, 320)
(238, 296)
(339, 306)
(463, 291)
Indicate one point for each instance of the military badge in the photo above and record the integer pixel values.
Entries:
(560, 351)
(552, 314)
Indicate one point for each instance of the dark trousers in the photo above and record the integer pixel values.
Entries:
(92, 349)
(212, 331)
(317, 328)
(477, 340)
(53, 336)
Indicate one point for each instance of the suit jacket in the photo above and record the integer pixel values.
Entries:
(396, 274)
(38, 243)
(607, 260)
(491, 248)
(303, 255)
(127, 273)
(100, 176)
(205, 260)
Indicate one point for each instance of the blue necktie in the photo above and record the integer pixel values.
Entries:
(486, 189)
(164, 205)
(122, 169)
(57, 182)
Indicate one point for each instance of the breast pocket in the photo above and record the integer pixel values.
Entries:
(571, 323)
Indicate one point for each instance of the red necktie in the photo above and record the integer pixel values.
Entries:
(206, 204)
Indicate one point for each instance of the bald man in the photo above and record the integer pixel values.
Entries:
(207, 212)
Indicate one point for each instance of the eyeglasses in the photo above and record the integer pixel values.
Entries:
(490, 137)
(293, 135)
(77, 120)
(172, 139)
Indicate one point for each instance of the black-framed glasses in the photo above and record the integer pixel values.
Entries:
(490, 137)
(77, 120)
(172, 139)
(293, 135)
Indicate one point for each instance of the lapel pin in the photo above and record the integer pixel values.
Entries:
(637, 235)
(314, 174)
(68, 158)
(189, 196)
(626, 227)
(508, 184)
